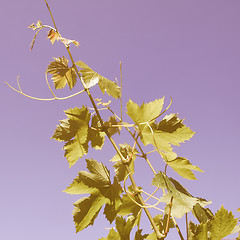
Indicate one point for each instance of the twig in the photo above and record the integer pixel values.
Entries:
(121, 90)
(168, 220)
(41, 99)
(178, 229)
(51, 15)
(187, 226)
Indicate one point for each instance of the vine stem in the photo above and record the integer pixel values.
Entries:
(135, 188)
(42, 99)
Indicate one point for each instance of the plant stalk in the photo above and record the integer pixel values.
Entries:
(135, 188)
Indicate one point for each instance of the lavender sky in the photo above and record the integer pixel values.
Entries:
(189, 50)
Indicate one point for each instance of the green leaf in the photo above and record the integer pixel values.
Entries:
(222, 224)
(128, 206)
(180, 165)
(198, 232)
(112, 235)
(86, 210)
(78, 114)
(62, 74)
(78, 187)
(97, 177)
(75, 131)
(92, 78)
(74, 150)
(182, 202)
(202, 214)
(139, 236)
(63, 131)
(153, 236)
(146, 112)
(170, 123)
(97, 181)
(124, 227)
(95, 135)
(162, 139)
(111, 209)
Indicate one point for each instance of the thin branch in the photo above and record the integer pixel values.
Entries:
(143, 154)
(165, 169)
(168, 220)
(51, 15)
(121, 91)
(187, 226)
(152, 194)
(41, 99)
(178, 229)
(140, 205)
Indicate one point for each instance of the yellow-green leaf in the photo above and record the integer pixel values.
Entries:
(87, 209)
(146, 112)
(180, 165)
(91, 78)
(222, 224)
(62, 74)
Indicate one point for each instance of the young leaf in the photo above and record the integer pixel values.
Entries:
(62, 74)
(111, 126)
(112, 235)
(180, 165)
(53, 36)
(146, 112)
(86, 210)
(124, 227)
(127, 152)
(182, 202)
(67, 42)
(92, 78)
(222, 224)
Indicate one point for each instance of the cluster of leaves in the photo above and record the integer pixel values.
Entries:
(77, 132)
(124, 206)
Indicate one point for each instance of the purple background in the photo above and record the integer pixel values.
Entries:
(189, 50)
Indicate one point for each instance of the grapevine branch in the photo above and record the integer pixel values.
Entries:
(135, 189)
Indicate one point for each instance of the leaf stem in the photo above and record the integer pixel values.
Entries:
(187, 226)
(168, 220)
(178, 229)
